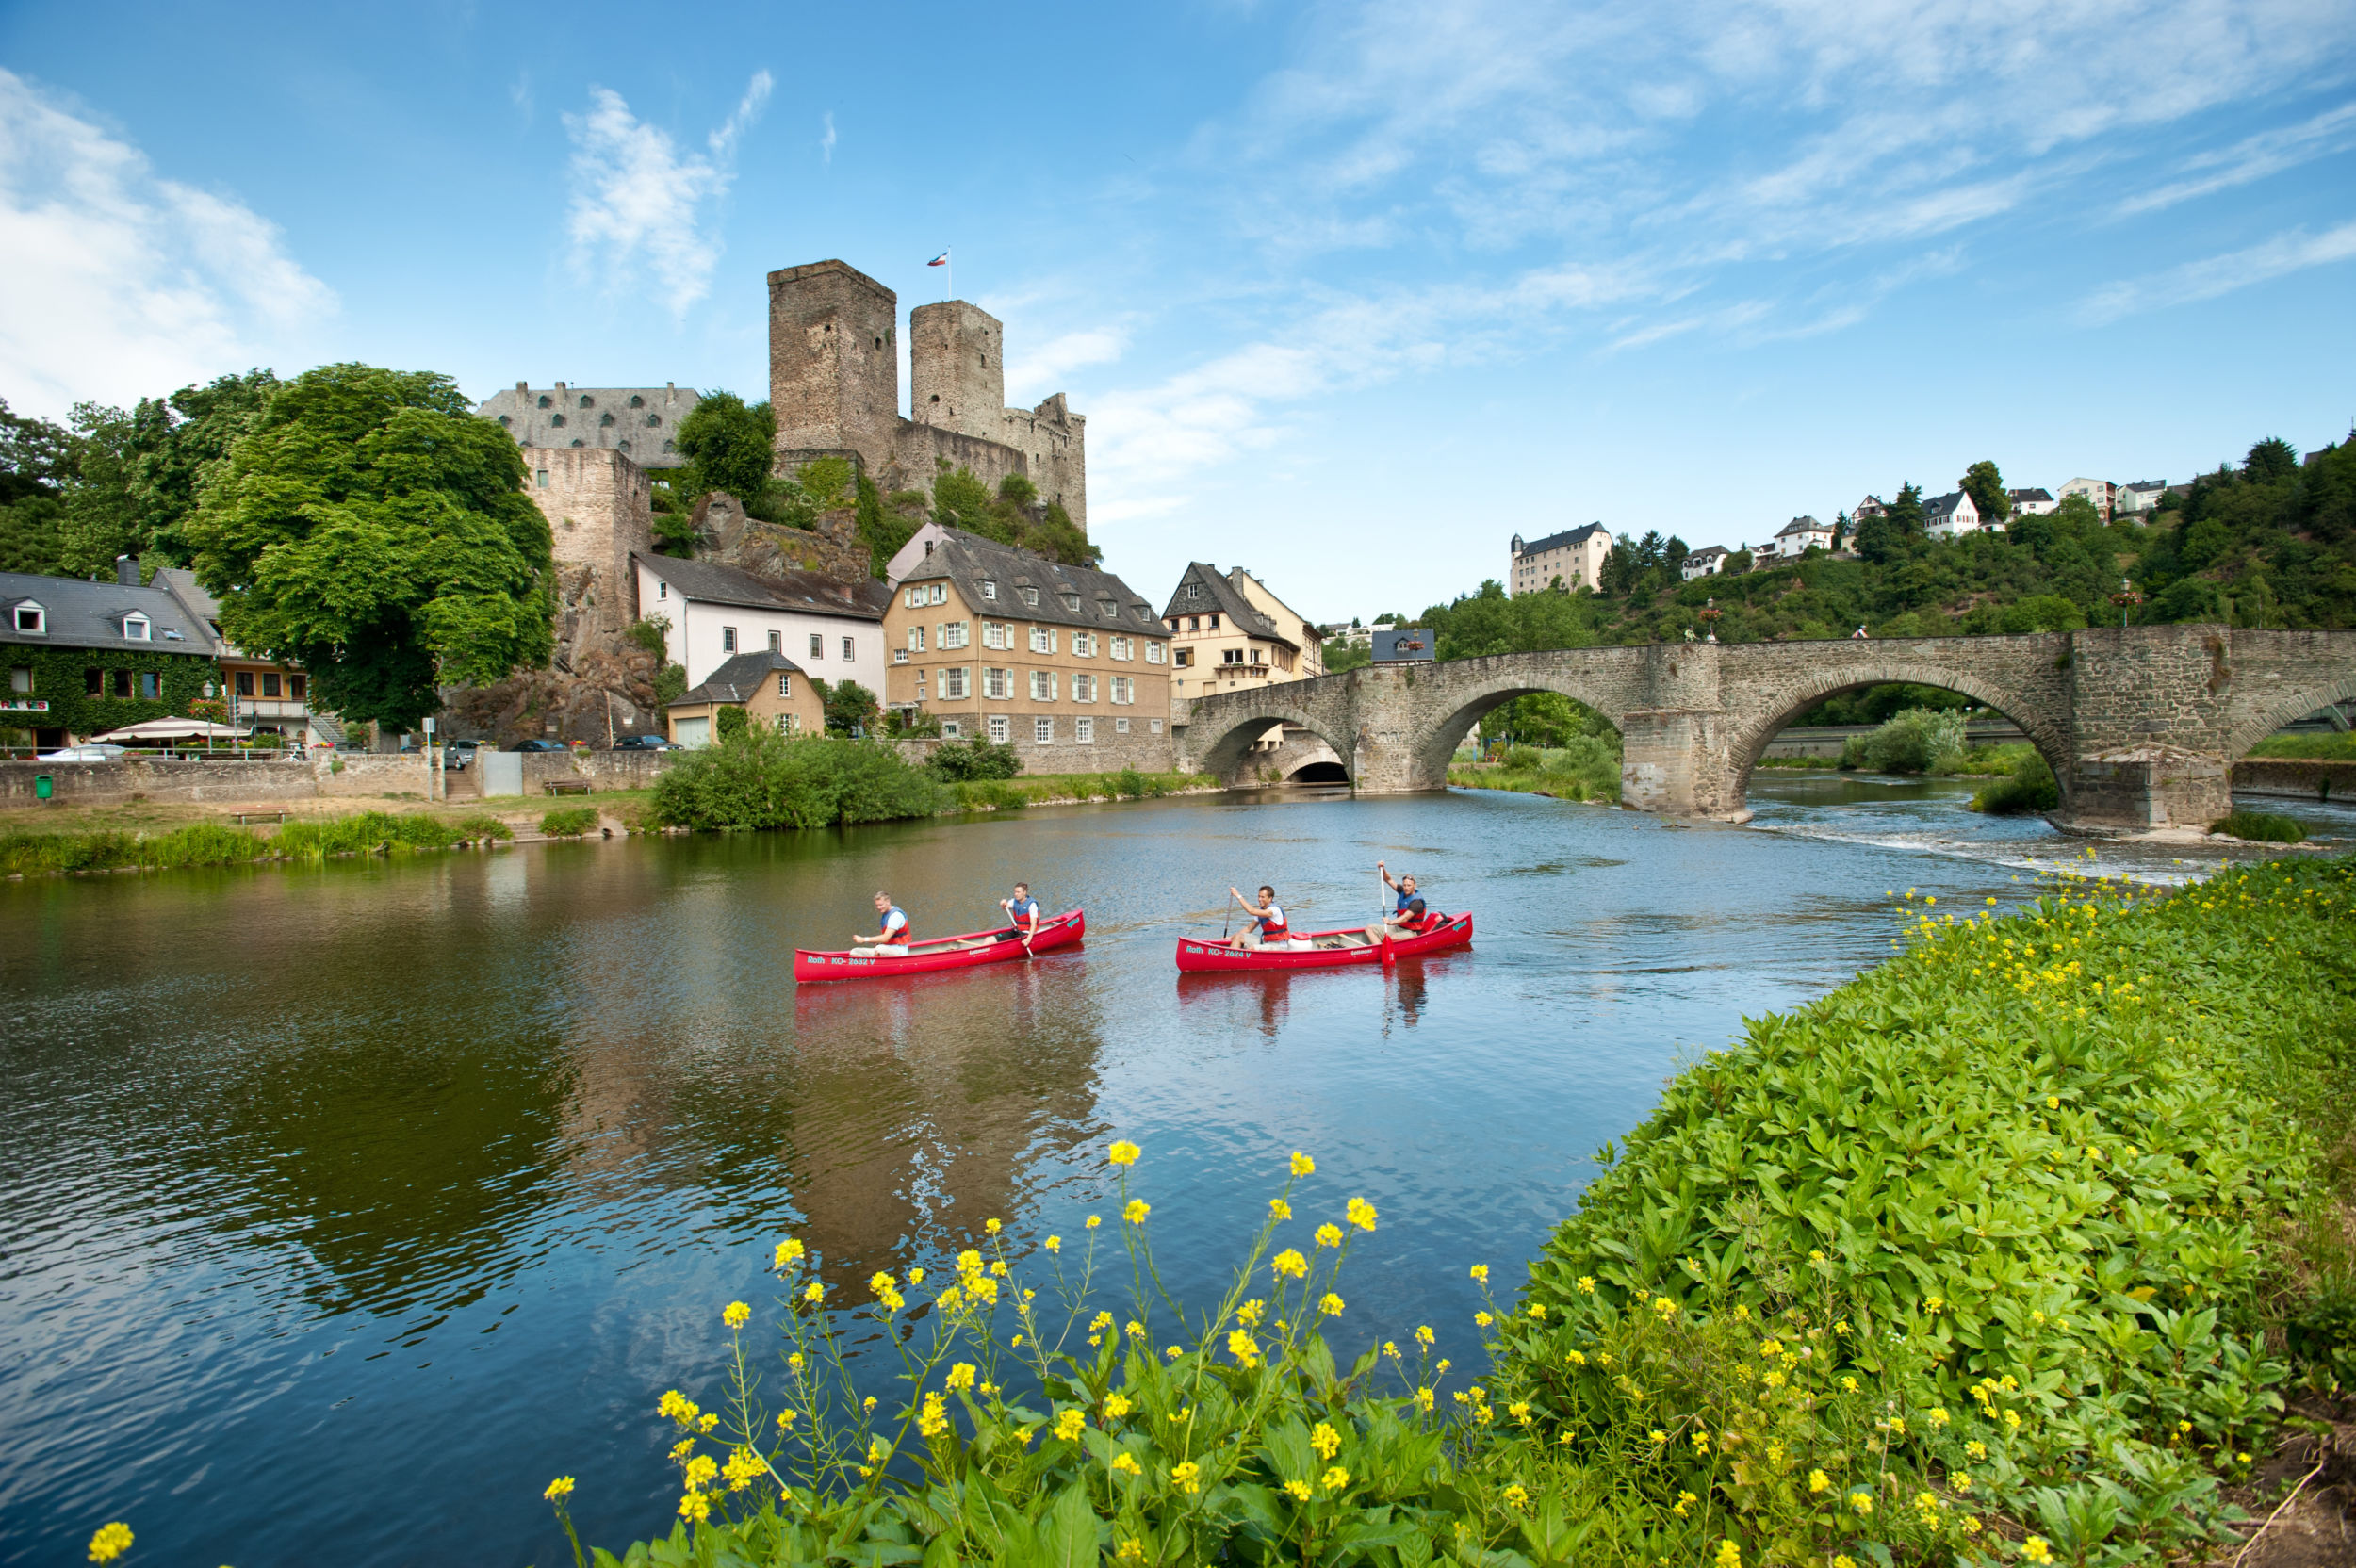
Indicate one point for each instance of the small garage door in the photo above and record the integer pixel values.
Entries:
(692, 732)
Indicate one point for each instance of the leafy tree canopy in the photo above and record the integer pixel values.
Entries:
(1012, 517)
(1985, 486)
(729, 445)
(370, 529)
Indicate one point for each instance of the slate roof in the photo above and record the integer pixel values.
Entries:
(809, 593)
(90, 615)
(1067, 595)
(1406, 644)
(738, 679)
(1943, 506)
(1804, 525)
(2017, 497)
(1707, 552)
(637, 421)
(1557, 541)
(1225, 599)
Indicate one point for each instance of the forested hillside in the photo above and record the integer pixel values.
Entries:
(2267, 543)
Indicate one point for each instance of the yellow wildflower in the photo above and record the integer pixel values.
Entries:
(1977, 1449)
(1298, 1490)
(1094, 1221)
(1336, 1479)
(1862, 1502)
(992, 1226)
(110, 1542)
(1249, 1315)
(1290, 1263)
(1116, 1406)
(1127, 1464)
(788, 1252)
(815, 1293)
(1586, 1285)
(1516, 1498)
(1055, 1244)
(1124, 1152)
(1130, 1550)
(962, 1376)
(1481, 1319)
(1818, 1481)
(786, 1419)
(1303, 1165)
(1278, 1209)
(2035, 1549)
(1574, 1358)
(1137, 1211)
(1685, 1500)
(1068, 1424)
(1359, 1213)
(1330, 1304)
(695, 1507)
(1187, 1476)
(558, 1489)
(1538, 1311)
(1328, 1235)
(1423, 1335)
(1244, 1348)
(1729, 1555)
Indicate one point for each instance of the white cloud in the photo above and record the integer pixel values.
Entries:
(2293, 252)
(826, 143)
(2253, 158)
(122, 284)
(1042, 369)
(638, 202)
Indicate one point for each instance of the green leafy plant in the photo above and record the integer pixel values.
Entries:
(569, 821)
(2267, 827)
(758, 778)
(483, 826)
(2030, 787)
(958, 760)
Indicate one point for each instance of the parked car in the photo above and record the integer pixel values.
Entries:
(101, 751)
(454, 758)
(643, 742)
(540, 746)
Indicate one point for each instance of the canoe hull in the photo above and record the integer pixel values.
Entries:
(811, 967)
(1209, 957)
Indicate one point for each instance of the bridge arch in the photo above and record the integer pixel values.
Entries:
(1220, 743)
(1771, 711)
(1437, 744)
(2273, 714)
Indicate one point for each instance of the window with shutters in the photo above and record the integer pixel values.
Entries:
(1083, 645)
(1084, 688)
(1122, 647)
(1153, 653)
(941, 593)
(998, 685)
(1041, 640)
(994, 635)
(953, 683)
(1125, 690)
(916, 639)
(1042, 685)
(952, 635)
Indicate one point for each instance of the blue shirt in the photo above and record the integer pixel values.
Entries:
(1022, 909)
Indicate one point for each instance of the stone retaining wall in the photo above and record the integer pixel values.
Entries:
(2299, 778)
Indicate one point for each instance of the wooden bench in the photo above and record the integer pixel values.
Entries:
(567, 786)
(244, 818)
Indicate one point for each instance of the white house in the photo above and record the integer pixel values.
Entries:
(1793, 539)
(2102, 492)
(711, 613)
(2142, 495)
(1951, 515)
(1576, 556)
(1871, 506)
(1706, 561)
(2031, 503)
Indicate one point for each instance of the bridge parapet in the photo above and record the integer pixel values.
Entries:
(2140, 725)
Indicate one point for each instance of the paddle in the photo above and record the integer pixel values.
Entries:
(1383, 888)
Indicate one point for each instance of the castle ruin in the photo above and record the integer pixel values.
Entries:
(834, 381)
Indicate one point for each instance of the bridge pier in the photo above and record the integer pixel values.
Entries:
(1674, 762)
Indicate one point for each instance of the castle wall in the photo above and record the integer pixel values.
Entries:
(957, 368)
(600, 510)
(834, 363)
(1055, 442)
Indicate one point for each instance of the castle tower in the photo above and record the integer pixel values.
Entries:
(957, 370)
(834, 364)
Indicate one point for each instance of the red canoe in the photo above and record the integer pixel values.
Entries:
(1332, 949)
(975, 947)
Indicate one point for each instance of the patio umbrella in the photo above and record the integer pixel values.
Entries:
(174, 730)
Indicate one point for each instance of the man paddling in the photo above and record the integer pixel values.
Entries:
(1406, 916)
(1268, 928)
(892, 940)
(1023, 910)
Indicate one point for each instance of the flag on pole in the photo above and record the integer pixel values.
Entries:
(941, 260)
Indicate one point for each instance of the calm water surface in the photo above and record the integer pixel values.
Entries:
(340, 1209)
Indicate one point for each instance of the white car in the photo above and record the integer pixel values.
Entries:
(104, 751)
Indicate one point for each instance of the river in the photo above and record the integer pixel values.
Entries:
(341, 1208)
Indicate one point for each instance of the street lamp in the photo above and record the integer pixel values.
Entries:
(2125, 598)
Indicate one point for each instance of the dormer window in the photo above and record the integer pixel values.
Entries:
(136, 628)
(1030, 596)
(31, 619)
(588, 402)
(1071, 603)
(637, 401)
(990, 589)
(546, 399)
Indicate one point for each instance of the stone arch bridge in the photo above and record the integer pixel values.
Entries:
(2141, 725)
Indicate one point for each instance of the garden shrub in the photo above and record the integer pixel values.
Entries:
(761, 779)
(569, 821)
(957, 762)
(369, 833)
(731, 720)
(483, 826)
(2030, 787)
(2265, 827)
(1920, 739)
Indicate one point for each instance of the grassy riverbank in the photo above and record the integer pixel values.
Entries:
(1586, 769)
(2009, 1250)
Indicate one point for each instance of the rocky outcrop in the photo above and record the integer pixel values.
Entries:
(832, 547)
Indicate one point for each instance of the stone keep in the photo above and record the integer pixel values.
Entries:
(600, 508)
(834, 380)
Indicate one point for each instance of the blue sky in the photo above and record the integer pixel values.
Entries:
(1349, 294)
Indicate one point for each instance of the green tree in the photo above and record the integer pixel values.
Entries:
(851, 708)
(2271, 462)
(729, 445)
(37, 457)
(1985, 486)
(371, 530)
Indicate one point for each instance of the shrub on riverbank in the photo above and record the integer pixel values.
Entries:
(208, 843)
(1920, 739)
(1586, 767)
(1976, 1260)
(569, 822)
(758, 778)
(2030, 787)
(2265, 828)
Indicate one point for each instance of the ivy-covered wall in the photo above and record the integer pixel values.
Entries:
(60, 676)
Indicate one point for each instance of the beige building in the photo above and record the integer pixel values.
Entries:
(771, 689)
(1065, 663)
(1576, 556)
(1228, 631)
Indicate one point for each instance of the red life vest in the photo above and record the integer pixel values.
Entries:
(906, 933)
(1273, 926)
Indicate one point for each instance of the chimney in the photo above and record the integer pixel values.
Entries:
(523, 386)
(127, 570)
